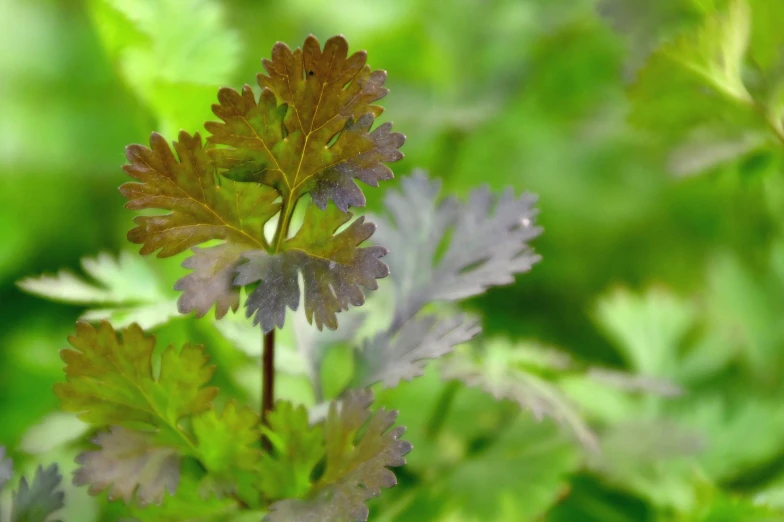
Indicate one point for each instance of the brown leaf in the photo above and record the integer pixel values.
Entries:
(201, 210)
(325, 96)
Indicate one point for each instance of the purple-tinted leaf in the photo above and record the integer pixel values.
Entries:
(484, 243)
(403, 357)
(487, 247)
(36, 501)
(332, 267)
(127, 463)
(212, 281)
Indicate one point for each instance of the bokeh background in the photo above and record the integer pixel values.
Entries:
(647, 268)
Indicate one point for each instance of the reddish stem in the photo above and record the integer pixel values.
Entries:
(267, 382)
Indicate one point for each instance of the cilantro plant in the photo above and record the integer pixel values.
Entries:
(263, 204)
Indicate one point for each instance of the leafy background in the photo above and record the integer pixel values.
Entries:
(661, 256)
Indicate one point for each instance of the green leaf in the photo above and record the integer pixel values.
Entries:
(109, 379)
(507, 372)
(767, 42)
(648, 329)
(312, 345)
(187, 505)
(645, 24)
(125, 290)
(227, 444)
(743, 311)
(716, 51)
(297, 449)
(716, 505)
(356, 465)
(517, 477)
(693, 93)
(653, 458)
(723, 422)
(713, 55)
(155, 57)
(36, 501)
(53, 431)
(129, 463)
(332, 266)
(326, 96)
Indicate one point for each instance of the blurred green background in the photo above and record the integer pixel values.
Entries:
(645, 269)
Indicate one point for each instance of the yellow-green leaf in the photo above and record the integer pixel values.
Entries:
(110, 380)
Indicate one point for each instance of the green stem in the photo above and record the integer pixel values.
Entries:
(282, 230)
(441, 410)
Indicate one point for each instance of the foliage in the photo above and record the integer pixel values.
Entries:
(356, 466)
(716, 88)
(126, 290)
(36, 500)
(633, 376)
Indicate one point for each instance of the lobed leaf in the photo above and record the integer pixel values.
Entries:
(109, 378)
(129, 463)
(332, 266)
(37, 501)
(403, 357)
(694, 90)
(297, 449)
(716, 51)
(318, 140)
(487, 247)
(201, 210)
(443, 251)
(356, 465)
(211, 282)
(648, 329)
(522, 472)
(227, 444)
(123, 289)
(501, 372)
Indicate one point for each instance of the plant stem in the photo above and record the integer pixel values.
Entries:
(282, 230)
(441, 410)
(268, 351)
(267, 382)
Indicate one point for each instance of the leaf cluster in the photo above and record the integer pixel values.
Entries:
(306, 138)
(713, 89)
(307, 133)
